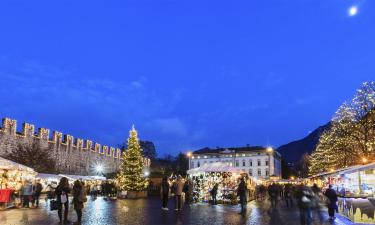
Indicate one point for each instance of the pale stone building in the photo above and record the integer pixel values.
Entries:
(259, 162)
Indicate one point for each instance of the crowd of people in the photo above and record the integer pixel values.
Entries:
(309, 200)
(62, 192)
(181, 190)
(28, 192)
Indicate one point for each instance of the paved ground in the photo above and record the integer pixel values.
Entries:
(147, 211)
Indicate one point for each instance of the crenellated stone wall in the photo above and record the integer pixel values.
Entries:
(73, 155)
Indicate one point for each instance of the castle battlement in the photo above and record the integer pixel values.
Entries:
(9, 127)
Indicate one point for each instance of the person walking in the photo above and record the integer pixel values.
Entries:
(164, 193)
(332, 206)
(37, 190)
(318, 199)
(27, 191)
(79, 197)
(178, 193)
(61, 192)
(305, 199)
(241, 192)
(213, 193)
(288, 196)
(273, 192)
(262, 190)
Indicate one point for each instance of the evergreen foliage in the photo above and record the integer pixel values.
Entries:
(131, 176)
(351, 137)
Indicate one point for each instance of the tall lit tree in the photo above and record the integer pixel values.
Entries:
(351, 136)
(131, 176)
(320, 159)
(363, 106)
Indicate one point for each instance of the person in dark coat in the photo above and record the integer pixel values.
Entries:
(305, 198)
(241, 192)
(213, 193)
(288, 196)
(79, 197)
(164, 193)
(61, 192)
(37, 190)
(273, 192)
(332, 197)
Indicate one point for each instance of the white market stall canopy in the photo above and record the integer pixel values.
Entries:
(78, 177)
(215, 167)
(346, 170)
(10, 165)
(46, 176)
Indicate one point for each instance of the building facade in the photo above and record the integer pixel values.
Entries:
(72, 155)
(259, 162)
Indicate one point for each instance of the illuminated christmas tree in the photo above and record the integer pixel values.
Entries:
(131, 176)
(351, 138)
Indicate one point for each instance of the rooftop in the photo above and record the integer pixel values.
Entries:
(230, 150)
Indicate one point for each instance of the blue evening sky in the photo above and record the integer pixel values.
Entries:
(187, 73)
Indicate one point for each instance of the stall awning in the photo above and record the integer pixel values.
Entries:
(47, 176)
(215, 167)
(346, 170)
(10, 165)
(78, 177)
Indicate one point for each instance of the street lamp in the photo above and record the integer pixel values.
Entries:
(99, 169)
(189, 154)
(364, 160)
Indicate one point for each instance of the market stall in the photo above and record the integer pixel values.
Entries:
(356, 187)
(11, 177)
(205, 177)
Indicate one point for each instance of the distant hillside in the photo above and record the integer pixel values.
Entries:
(293, 151)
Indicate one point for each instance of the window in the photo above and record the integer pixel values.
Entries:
(267, 173)
(192, 164)
(243, 163)
(266, 162)
(258, 162)
(251, 162)
(199, 164)
(250, 172)
(259, 173)
(237, 163)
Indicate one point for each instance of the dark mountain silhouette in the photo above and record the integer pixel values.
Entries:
(293, 151)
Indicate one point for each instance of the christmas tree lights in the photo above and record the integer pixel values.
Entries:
(131, 176)
(351, 137)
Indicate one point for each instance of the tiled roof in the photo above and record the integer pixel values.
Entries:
(235, 149)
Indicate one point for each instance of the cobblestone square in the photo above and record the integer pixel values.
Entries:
(148, 212)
